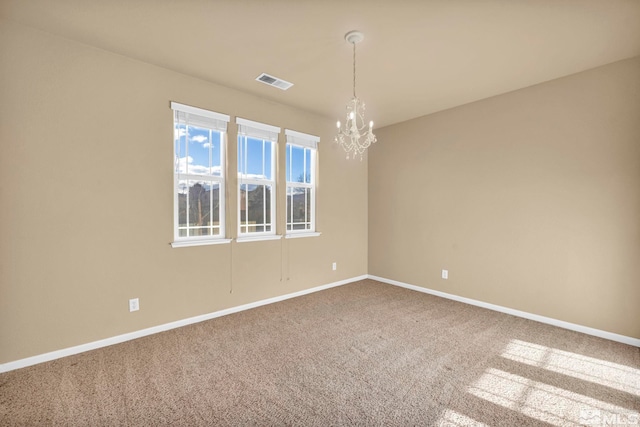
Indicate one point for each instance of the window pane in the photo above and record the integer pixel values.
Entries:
(183, 191)
(199, 210)
(299, 208)
(202, 156)
(242, 150)
(202, 217)
(308, 207)
(307, 165)
(267, 159)
(199, 150)
(298, 204)
(255, 210)
(297, 164)
(216, 161)
(181, 148)
(255, 205)
(255, 158)
(288, 152)
(289, 206)
(243, 204)
(214, 223)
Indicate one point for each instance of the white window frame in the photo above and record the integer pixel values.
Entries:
(264, 132)
(307, 142)
(215, 122)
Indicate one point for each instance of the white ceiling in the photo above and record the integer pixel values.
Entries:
(418, 57)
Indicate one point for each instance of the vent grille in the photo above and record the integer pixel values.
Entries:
(274, 81)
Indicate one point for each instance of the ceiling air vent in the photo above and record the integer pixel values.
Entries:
(274, 81)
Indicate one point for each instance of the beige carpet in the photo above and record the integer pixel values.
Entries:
(366, 353)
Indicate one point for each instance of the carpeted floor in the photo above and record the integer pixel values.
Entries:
(365, 353)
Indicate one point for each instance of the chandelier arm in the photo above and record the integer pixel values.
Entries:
(361, 117)
(348, 147)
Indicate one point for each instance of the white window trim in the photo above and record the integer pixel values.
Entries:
(200, 112)
(264, 132)
(302, 233)
(199, 242)
(223, 119)
(257, 125)
(303, 140)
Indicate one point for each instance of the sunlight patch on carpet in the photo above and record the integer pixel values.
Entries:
(602, 372)
(452, 418)
(541, 401)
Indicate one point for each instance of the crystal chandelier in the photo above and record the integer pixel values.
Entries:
(354, 137)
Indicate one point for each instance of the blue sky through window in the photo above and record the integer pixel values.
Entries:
(254, 157)
(298, 163)
(202, 156)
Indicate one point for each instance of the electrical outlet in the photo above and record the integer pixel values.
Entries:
(134, 304)
(334, 266)
(445, 274)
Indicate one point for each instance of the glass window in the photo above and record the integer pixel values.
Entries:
(256, 178)
(301, 182)
(199, 176)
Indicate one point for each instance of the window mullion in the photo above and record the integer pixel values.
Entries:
(291, 206)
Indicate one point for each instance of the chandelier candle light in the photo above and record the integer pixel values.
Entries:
(354, 138)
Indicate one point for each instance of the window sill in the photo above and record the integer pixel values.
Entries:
(245, 239)
(203, 242)
(300, 235)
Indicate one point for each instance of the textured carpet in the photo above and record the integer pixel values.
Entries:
(365, 353)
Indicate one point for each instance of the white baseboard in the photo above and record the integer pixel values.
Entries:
(34, 360)
(542, 319)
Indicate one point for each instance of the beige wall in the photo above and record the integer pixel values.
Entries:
(530, 199)
(86, 205)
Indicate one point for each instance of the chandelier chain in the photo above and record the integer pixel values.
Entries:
(354, 70)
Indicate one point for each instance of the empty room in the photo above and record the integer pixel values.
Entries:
(202, 224)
